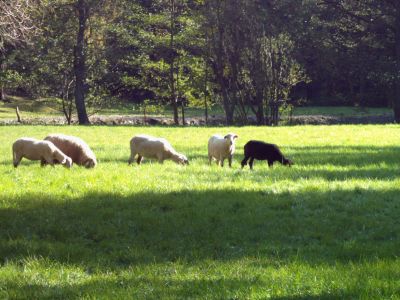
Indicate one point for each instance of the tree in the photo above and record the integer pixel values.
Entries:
(245, 55)
(172, 61)
(48, 64)
(381, 21)
(251, 56)
(217, 20)
(83, 10)
(15, 22)
(145, 65)
(16, 27)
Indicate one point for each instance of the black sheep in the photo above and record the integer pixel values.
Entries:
(263, 151)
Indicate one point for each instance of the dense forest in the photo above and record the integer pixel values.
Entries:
(249, 57)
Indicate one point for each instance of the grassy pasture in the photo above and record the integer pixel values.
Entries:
(39, 108)
(327, 228)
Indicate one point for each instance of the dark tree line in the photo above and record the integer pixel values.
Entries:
(250, 57)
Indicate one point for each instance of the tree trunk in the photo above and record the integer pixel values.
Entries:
(172, 65)
(361, 96)
(228, 103)
(183, 112)
(260, 114)
(228, 108)
(18, 114)
(219, 66)
(80, 64)
(205, 90)
(67, 101)
(229, 117)
(181, 99)
(274, 112)
(396, 100)
(205, 101)
(2, 93)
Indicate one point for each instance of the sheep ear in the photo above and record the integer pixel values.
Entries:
(235, 136)
(226, 137)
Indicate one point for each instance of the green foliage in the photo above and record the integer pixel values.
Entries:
(238, 54)
(11, 79)
(150, 108)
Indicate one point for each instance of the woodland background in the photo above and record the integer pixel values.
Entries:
(249, 57)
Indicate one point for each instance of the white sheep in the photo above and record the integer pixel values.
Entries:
(75, 148)
(34, 149)
(153, 147)
(221, 147)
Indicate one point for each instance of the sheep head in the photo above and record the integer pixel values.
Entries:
(231, 137)
(90, 163)
(67, 162)
(181, 159)
(287, 162)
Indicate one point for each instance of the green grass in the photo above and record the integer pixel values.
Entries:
(29, 108)
(342, 111)
(49, 108)
(166, 111)
(327, 228)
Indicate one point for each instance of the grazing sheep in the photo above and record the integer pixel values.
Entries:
(34, 149)
(152, 147)
(75, 148)
(263, 151)
(221, 147)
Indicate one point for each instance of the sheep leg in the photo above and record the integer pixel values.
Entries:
(43, 162)
(230, 161)
(160, 158)
(48, 160)
(270, 163)
(209, 159)
(222, 162)
(251, 163)
(139, 159)
(244, 161)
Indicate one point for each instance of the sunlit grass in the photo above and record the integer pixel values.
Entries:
(342, 111)
(29, 108)
(49, 107)
(326, 228)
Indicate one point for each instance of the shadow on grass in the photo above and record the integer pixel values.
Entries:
(24, 162)
(346, 155)
(166, 288)
(113, 232)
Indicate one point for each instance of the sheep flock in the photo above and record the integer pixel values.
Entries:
(68, 150)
